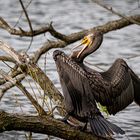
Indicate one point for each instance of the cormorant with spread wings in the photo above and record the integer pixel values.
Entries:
(83, 87)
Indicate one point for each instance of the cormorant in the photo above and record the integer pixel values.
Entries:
(83, 87)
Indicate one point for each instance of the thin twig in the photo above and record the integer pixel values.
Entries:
(29, 22)
(26, 14)
(22, 13)
(29, 44)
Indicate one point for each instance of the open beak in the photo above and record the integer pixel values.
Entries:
(86, 42)
(85, 46)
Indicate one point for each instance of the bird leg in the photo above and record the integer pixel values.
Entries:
(78, 127)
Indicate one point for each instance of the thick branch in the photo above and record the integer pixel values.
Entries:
(125, 21)
(44, 125)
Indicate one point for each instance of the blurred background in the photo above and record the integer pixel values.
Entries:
(70, 16)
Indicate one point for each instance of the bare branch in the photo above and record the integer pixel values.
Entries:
(49, 28)
(57, 34)
(115, 12)
(7, 85)
(17, 57)
(7, 58)
(4, 24)
(71, 38)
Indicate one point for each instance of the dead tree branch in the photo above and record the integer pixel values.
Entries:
(8, 85)
(21, 32)
(44, 125)
(115, 12)
(7, 58)
(72, 37)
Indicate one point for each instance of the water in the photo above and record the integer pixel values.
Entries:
(68, 17)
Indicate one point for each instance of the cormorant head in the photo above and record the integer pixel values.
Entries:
(91, 43)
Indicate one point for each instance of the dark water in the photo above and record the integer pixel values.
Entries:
(70, 16)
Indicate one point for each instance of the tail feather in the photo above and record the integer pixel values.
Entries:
(93, 123)
(101, 127)
(104, 123)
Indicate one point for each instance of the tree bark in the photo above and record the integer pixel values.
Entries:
(44, 125)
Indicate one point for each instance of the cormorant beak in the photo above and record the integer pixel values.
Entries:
(87, 41)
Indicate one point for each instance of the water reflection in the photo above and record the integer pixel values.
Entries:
(71, 16)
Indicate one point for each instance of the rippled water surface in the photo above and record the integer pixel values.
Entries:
(70, 16)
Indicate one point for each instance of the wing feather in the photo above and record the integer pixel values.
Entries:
(75, 87)
(122, 90)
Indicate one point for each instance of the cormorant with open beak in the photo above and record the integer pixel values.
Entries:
(83, 87)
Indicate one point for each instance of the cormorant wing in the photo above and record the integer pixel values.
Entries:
(76, 89)
(120, 85)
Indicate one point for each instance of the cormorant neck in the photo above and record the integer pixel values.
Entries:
(74, 57)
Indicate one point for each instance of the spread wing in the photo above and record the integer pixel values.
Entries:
(121, 86)
(76, 89)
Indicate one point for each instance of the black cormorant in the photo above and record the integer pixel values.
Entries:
(83, 87)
